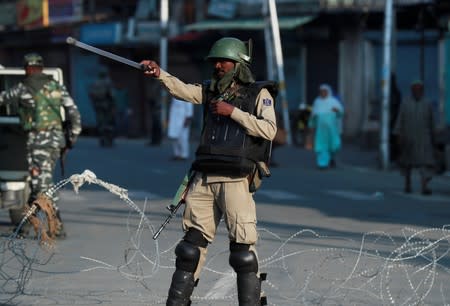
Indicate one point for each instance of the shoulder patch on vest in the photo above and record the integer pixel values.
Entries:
(267, 102)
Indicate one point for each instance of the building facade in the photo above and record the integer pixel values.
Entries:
(324, 41)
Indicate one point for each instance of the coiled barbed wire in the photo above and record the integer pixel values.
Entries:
(306, 268)
(13, 249)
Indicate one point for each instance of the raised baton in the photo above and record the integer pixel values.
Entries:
(123, 60)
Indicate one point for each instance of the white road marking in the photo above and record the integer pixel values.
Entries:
(356, 195)
(223, 287)
(278, 194)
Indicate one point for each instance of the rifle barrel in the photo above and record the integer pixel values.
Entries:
(173, 212)
(115, 57)
(155, 236)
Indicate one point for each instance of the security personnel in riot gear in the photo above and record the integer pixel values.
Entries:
(101, 96)
(239, 124)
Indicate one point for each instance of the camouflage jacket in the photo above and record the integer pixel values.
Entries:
(22, 100)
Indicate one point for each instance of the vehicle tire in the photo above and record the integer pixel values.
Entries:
(16, 214)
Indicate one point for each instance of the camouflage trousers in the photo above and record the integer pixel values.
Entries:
(44, 160)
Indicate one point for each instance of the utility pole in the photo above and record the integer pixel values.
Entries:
(268, 42)
(164, 22)
(421, 28)
(280, 71)
(386, 85)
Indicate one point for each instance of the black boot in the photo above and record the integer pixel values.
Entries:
(249, 289)
(181, 288)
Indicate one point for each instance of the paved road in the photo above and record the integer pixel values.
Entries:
(348, 236)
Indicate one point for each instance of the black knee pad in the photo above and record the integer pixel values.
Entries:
(188, 256)
(195, 237)
(242, 259)
(188, 252)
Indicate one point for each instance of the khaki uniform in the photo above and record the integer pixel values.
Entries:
(212, 197)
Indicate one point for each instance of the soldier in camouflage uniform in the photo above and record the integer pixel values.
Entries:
(43, 106)
(100, 93)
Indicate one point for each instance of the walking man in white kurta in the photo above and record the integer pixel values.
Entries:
(180, 118)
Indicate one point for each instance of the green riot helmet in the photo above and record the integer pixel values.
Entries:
(33, 59)
(231, 48)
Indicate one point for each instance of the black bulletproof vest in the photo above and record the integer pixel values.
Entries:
(225, 148)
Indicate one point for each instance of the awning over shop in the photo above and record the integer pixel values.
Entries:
(286, 23)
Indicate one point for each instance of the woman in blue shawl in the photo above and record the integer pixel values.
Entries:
(325, 116)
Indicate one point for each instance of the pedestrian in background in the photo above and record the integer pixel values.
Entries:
(324, 121)
(180, 118)
(123, 110)
(38, 100)
(415, 130)
(101, 95)
(302, 131)
(231, 159)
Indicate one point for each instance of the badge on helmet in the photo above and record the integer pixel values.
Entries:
(33, 59)
(231, 48)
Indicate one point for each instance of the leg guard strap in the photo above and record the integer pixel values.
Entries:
(195, 237)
